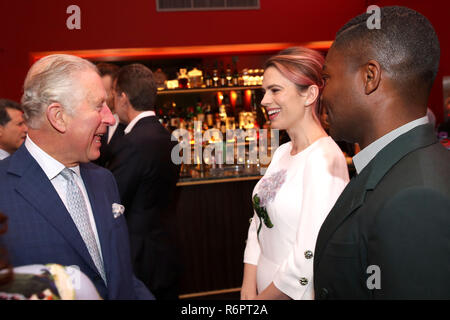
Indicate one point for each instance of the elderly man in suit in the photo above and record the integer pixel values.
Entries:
(146, 177)
(388, 235)
(61, 208)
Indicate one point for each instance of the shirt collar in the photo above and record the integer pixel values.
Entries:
(3, 154)
(362, 158)
(50, 165)
(137, 118)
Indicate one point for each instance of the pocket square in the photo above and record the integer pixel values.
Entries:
(117, 210)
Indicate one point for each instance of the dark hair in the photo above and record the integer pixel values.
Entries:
(4, 264)
(4, 116)
(406, 46)
(108, 69)
(138, 83)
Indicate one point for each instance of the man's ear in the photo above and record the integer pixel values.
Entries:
(312, 93)
(372, 76)
(124, 96)
(56, 117)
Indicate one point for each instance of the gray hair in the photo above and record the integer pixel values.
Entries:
(50, 80)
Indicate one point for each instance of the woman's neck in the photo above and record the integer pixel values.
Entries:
(305, 133)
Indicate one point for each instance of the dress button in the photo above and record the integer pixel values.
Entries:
(323, 294)
(308, 254)
(250, 220)
(303, 281)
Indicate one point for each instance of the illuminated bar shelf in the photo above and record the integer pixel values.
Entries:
(200, 90)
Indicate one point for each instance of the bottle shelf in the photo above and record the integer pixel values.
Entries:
(200, 90)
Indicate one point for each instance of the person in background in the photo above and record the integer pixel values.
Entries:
(61, 208)
(300, 186)
(444, 127)
(108, 72)
(13, 130)
(146, 177)
(387, 237)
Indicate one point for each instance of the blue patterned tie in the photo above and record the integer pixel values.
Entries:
(79, 213)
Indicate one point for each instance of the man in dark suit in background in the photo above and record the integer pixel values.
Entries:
(388, 235)
(146, 177)
(108, 72)
(62, 208)
(13, 129)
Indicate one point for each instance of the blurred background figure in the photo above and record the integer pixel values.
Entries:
(13, 130)
(146, 177)
(108, 72)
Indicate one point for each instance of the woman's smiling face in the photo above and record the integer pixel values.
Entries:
(282, 99)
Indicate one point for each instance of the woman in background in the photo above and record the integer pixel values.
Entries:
(301, 185)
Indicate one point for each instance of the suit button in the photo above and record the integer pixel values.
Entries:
(323, 293)
(308, 254)
(303, 281)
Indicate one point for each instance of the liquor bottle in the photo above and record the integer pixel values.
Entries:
(235, 79)
(229, 76)
(245, 77)
(223, 78)
(174, 120)
(183, 79)
(215, 78)
(208, 80)
(209, 116)
(199, 111)
(251, 77)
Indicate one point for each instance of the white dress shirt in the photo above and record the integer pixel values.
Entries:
(113, 128)
(3, 154)
(362, 158)
(137, 118)
(52, 169)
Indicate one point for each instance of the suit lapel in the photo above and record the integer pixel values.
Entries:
(35, 187)
(354, 194)
(102, 221)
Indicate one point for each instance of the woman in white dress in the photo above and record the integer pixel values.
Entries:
(300, 186)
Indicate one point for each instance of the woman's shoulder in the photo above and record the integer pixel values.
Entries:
(327, 152)
(283, 148)
(328, 147)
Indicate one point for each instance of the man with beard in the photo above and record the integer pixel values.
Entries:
(387, 237)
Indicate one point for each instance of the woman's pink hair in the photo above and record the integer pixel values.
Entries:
(302, 66)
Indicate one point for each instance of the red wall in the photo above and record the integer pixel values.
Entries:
(40, 25)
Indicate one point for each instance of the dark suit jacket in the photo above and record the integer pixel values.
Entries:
(146, 177)
(41, 230)
(106, 148)
(395, 216)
